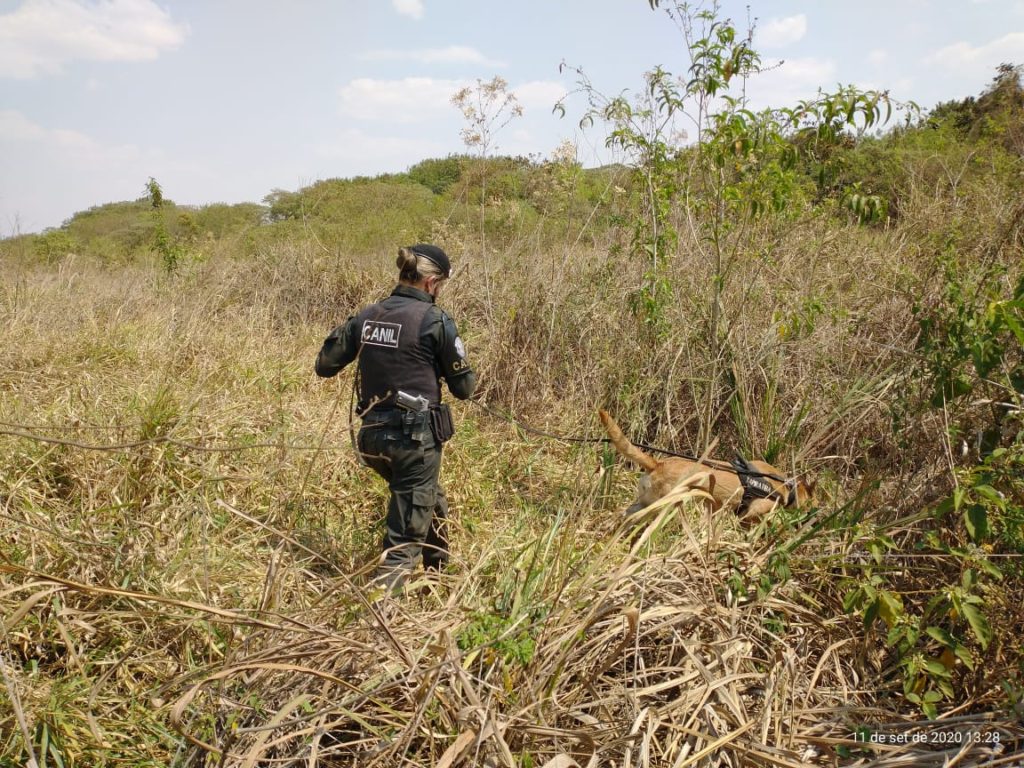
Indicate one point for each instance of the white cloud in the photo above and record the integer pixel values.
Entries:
(41, 36)
(779, 32)
(980, 60)
(539, 94)
(411, 8)
(14, 126)
(792, 81)
(73, 147)
(877, 57)
(453, 54)
(412, 99)
(403, 101)
(48, 173)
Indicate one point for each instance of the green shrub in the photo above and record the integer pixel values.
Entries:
(438, 175)
(53, 245)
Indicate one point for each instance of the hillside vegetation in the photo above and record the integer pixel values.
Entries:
(185, 532)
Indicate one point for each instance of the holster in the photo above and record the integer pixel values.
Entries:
(441, 423)
(414, 424)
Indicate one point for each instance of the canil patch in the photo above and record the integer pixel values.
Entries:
(381, 334)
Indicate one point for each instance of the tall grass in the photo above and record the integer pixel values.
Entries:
(198, 595)
(185, 533)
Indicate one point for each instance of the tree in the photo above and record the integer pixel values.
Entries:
(171, 251)
(487, 107)
(740, 171)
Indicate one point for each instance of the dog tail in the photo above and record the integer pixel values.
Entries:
(622, 444)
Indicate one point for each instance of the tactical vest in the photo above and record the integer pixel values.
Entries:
(392, 356)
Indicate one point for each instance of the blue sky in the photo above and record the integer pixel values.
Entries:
(226, 100)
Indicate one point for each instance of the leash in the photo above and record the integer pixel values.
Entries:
(654, 449)
(352, 411)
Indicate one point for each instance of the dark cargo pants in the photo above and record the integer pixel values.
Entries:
(410, 460)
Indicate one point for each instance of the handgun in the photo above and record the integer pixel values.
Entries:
(410, 403)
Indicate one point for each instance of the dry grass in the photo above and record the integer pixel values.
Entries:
(199, 591)
(640, 657)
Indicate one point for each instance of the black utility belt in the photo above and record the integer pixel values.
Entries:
(389, 418)
(437, 417)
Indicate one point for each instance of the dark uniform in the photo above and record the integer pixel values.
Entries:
(407, 343)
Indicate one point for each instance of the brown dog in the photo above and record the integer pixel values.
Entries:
(727, 489)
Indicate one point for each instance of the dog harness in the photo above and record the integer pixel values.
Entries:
(755, 486)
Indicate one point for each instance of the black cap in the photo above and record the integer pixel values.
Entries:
(435, 254)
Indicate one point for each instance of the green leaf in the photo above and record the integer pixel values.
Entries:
(890, 607)
(976, 520)
(895, 634)
(877, 552)
(945, 506)
(938, 633)
(1012, 323)
(852, 600)
(936, 669)
(964, 654)
(871, 614)
(986, 355)
(989, 567)
(958, 498)
(991, 494)
(1017, 379)
(58, 760)
(979, 624)
(968, 580)
(937, 600)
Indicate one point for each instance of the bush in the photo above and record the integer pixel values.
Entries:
(438, 175)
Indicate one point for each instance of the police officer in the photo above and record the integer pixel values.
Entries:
(405, 344)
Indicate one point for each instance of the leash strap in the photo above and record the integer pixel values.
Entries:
(746, 472)
(352, 411)
(541, 433)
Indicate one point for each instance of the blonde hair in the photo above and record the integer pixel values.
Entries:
(412, 267)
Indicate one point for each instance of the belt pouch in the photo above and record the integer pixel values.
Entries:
(441, 423)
